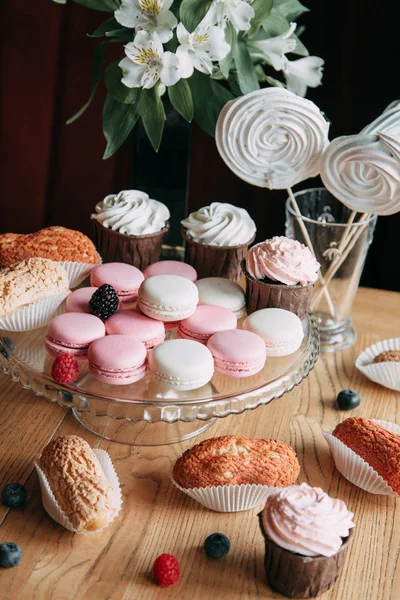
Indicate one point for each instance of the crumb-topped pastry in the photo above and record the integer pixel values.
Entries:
(78, 483)
(55, 243)
(29, 281)
(236, 460)
(378, 446)
(388, 356)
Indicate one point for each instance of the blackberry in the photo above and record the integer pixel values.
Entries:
(13, 495)
(217, 545)
(104, 302)
(10, 555)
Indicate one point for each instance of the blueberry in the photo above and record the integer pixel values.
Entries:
(13, 495)
(10, 555)
(217, 545)
(348, 399)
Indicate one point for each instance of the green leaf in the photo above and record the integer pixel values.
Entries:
(209, 97)
(291, 9)
(103, 5)
(247, 77)
(276, 24)
(115, 87)
(102, 30)
(262, 9)
(181, 99)
(118, 121)
(60, 1)
(97, 69)
(151, 109)
(226, 63)
(192, 12)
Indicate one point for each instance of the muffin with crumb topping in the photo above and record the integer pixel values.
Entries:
(236, 460)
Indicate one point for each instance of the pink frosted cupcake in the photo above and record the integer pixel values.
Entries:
(306, 536)
(280, 273)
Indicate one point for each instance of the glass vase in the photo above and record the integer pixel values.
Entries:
(341, 248)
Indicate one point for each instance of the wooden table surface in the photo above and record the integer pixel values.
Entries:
(156, 517)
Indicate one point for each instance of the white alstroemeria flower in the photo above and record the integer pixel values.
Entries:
(200, 48)
(274, 49)
(302, 73)
(146, 63)
(148, 15)
(237, 12)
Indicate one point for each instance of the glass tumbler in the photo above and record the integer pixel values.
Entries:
(341, 249)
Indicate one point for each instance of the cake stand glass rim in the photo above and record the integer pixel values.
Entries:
(182, 410)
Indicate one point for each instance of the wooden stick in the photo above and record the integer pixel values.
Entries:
(310, 246)
(351, 241)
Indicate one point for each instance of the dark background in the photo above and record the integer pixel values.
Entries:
(54, 174)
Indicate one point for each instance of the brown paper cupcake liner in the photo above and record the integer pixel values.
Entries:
(297, 576)
(295, 298)
(139, 251)
(215, 261)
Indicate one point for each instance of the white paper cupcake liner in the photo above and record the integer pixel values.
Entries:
(52, 507)
(35, 315)
(229, 498)
(356, 469)
(78, 271)
(386, 373)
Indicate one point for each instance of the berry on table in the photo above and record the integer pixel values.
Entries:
(166, 570)
(10, 555)
(217, 545)
(348, 399)
(13, 495)
(104, 302)
(65, 368)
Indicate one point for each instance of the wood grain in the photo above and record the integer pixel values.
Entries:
(156, 517)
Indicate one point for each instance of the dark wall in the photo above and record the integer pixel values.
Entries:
(51, 173)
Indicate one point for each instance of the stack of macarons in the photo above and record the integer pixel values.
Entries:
(121, 345)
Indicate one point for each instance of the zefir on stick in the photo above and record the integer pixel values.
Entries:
(274, 139)
(363, 172)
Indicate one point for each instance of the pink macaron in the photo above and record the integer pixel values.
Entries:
(132, 322)
(125, 279)
(78, 301)
(237, 353)
(205, 321)
(117, 359)
(171, 267)
(72, 333)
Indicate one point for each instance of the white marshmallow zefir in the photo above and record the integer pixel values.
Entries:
(363, 172)
(272, 138)
(387, 122)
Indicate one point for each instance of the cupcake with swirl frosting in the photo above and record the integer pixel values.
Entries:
(306, 536)
(217, 238)
(130, 227)
(280, 273)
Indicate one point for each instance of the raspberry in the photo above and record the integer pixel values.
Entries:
(65, 369)
(104, 302)
(166, 570)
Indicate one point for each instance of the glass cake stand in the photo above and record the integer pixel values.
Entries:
(146, 413)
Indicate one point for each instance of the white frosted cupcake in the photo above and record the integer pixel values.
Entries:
(217, 239)
(130, 227)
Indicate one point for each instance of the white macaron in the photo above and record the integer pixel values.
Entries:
(168, 297)
(181, 364)
(222, 292)
(280, 329)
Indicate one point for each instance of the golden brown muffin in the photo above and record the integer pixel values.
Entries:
(78, 483)
(29, 281)
(235, 460)
(376, 445)
(54, 243)
(388, 356)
